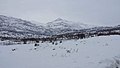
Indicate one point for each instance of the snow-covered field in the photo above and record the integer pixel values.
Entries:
(96, 52)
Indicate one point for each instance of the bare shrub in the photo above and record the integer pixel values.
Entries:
(115, 63)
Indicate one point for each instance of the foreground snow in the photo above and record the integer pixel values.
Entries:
(94, 52)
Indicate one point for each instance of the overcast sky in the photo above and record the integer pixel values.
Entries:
(101, 12)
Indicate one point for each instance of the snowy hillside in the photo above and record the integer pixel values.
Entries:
(15, 27)
(61, 23)
(59, 26)
(96, 52)
(18, 28)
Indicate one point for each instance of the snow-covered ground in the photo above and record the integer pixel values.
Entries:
(96, 52)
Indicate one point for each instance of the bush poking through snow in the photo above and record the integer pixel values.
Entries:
(35, 48)
(114, 63)
(53, 48)
(13, 49)
(53, 43)
(60, 41)
(36, 44)
(68, 51)
(56, 43)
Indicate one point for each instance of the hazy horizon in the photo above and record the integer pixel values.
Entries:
(102, 12)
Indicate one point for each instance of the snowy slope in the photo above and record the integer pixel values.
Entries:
(59, 26)
(61, 23)
(11, 26)
(96, 52)
(15, 25)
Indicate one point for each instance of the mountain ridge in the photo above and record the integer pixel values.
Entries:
(15, 27)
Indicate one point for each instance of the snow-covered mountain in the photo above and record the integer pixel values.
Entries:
(63, 26)
(11, 26)
(61, 23)
(14, 26)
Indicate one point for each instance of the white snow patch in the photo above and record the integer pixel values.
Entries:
(85, 53)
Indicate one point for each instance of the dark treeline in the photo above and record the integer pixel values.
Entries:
(8, 38)
(66, 36)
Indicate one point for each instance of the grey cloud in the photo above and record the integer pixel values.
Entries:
(101, 12)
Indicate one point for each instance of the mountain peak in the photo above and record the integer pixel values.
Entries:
(2, 16)
(59, 19)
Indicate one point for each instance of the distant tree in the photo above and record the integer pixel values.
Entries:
(24, 41)
(36, 44)
(53, 43)
(37, 41)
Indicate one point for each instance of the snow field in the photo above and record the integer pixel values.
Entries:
(93, 52)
